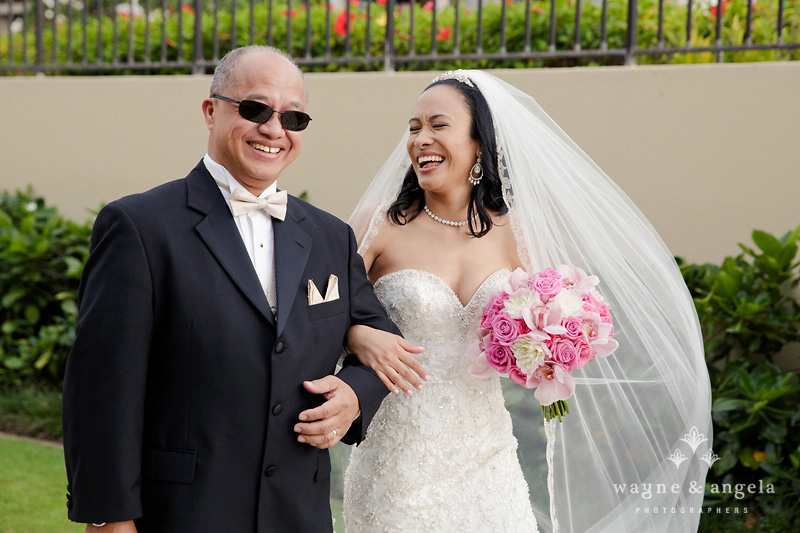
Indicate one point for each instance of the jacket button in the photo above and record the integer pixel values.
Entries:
(269, 472)
(279, 347)
(277, 409)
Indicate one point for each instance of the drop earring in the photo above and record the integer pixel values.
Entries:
(476, 173)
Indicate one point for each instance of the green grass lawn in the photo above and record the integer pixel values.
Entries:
(33, 487)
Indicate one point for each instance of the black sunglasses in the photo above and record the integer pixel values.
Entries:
(261, 113)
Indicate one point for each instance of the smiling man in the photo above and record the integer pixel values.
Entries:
(200, 393)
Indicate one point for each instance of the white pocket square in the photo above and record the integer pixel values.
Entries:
(331, 294)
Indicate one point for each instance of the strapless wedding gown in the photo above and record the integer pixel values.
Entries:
(444, 459)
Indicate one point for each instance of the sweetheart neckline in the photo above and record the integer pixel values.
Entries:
(443, 282)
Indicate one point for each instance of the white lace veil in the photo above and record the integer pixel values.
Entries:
(617, 463)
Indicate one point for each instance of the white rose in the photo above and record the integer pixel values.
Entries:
(570, 303)
(514, 306)
(529, 353)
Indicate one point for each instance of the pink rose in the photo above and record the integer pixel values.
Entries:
(500, 357)
(505, 329)
(565, 353)
(494, 306)
(547, 287)
(549, 273)
(518, 376)
(585, 353)
(593, 305)
(574, 327)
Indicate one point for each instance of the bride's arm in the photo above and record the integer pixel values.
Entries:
(389, 356)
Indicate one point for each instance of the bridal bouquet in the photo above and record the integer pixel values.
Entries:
(541, 328)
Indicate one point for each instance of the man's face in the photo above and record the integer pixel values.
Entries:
(256, 154)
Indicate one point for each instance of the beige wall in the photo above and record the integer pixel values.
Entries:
(708, 152)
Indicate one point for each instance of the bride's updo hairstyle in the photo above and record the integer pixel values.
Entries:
(487, 195)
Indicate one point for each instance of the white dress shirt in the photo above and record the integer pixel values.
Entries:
(255, 227)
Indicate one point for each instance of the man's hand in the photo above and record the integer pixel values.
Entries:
(113, 527)
(324, 426)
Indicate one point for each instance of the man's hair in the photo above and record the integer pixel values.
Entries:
(224, 74)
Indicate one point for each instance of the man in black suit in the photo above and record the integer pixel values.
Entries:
(200, 394)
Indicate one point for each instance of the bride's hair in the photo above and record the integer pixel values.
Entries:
(486, 195)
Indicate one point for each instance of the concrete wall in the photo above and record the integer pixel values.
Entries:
(708, 152)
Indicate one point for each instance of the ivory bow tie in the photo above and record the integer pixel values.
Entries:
(243, 202)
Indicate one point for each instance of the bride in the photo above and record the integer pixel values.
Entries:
(482, 183)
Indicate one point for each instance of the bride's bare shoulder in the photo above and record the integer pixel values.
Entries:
(504, 233)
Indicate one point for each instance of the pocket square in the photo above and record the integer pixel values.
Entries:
(331, 293)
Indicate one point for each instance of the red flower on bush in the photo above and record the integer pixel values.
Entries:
(340, 24)
(187, 9)
(294, 13)
(713, 9)
(381, 2)
(444, 33)
(428, 6)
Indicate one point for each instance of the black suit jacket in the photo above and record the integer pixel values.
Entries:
(182, 391)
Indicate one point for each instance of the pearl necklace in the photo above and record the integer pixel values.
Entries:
(447, 222)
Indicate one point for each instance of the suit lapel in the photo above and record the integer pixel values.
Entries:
(292, 248)
(219, 232)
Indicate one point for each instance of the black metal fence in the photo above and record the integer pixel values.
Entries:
(109, 36)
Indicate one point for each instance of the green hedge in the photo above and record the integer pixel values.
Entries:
(703, 34)
(749, 311)
(41, 260)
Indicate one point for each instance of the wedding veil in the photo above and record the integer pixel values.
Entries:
(629, 456)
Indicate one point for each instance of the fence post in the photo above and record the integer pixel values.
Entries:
(388, 48)
(633, 17)
(39, 36)
(198, 57)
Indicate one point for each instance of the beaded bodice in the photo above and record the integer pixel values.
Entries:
(430, 314)
(443, 459)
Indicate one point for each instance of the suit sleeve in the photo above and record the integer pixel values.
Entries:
(365, 309)
(104, 385)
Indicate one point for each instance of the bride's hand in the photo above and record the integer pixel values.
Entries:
(389, 356)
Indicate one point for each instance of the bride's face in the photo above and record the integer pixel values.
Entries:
(439, 143)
